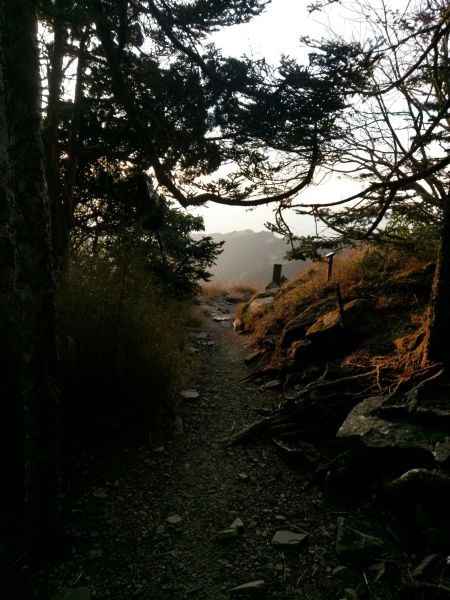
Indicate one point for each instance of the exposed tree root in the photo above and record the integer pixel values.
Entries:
(314, 414)
(303, 453)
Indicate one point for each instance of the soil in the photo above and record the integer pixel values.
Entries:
(120, 545)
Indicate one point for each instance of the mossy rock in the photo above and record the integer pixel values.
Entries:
(360, 317)
(296, 329)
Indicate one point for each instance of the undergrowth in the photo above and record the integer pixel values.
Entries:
(122, 351)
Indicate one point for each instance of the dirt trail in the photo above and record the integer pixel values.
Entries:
(122, 547)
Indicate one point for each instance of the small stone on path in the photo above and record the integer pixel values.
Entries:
(203, 335)
(237, 524)
(243, 476)
(271, 385)
(284, 537)
(227, 535)
(174, 519)
(100, 493)
(189, 394)
(252, 588)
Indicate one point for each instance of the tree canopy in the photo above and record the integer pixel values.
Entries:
(395, 134)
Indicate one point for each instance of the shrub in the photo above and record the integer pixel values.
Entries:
(122, 350)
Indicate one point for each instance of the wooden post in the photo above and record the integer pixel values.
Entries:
(340, 304)
(330, 257)
(276, 276)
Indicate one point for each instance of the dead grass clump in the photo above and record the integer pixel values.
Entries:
(212, 291)
(244, 288)
(360, 272)
(122, 351)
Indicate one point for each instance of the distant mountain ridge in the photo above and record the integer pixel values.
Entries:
(249, 256)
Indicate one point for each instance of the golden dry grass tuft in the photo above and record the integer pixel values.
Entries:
(123, 350)
(213, 291)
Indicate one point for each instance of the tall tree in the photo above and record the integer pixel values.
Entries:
(155, 93)
(29, 292)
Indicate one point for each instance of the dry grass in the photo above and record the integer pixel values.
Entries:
(123, 350)
(360, 272)
(216, 290)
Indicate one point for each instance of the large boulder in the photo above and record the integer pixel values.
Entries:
(359, 318)
(428, 445)
(295, 329)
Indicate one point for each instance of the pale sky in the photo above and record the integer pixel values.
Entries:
(275, 32)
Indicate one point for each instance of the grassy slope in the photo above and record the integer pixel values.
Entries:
(398, 287)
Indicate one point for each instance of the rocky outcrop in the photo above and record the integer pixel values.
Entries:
(310, 336)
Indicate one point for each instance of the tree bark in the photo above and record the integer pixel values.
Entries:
(72, 151)
(33, 284)
(52, 148)
(437, 337)
(11, 422)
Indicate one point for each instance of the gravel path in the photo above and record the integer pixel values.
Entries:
(120, 543)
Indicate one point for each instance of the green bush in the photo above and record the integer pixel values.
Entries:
(121, 351)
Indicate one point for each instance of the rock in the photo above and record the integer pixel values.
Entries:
(243, 476)
(100, 493)
(260, 301)
(174, 519)
(284, 537)
(178, 426)
(360, 317)
(355, 546)
(252, 588)
(301, 350)
(222, 317)
(237, 524)
(234, 299)
(429, 566)
(78, 593)
(227, 535)
(295, 330)
(271, 385)
(202, 335)
(397, 437)
(253, 356)
(189, 394)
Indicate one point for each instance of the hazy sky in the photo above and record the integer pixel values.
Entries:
(275, 32)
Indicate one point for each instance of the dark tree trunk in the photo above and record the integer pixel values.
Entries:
(11, 422)
(72, 152)
(52, 147)
(437, 338)
(33, 284)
